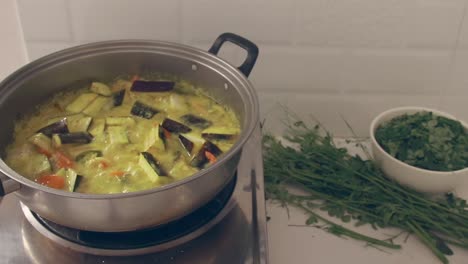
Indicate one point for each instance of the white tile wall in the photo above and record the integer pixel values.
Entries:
(45, 20)
(324, 57)
(378, 23)
(262, 21)
(95, 20)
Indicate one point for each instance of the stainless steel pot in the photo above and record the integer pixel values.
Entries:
(104, 60)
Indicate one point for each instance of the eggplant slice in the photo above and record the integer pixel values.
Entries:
(196, 121)
(200, 160)
(142, 110)
(78, 180)
(155, 165)
(76, 137)
(188, 145)
(215, 136)
(175, 127)
(118, 97)
(58, 127)
(152, 86)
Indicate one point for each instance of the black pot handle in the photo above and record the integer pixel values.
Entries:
(250, 47)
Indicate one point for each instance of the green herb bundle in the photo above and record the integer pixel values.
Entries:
(349, 187)
(426, 141)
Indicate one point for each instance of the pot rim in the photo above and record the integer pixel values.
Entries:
(129, 45)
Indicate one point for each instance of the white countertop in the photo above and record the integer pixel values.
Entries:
(291, 241)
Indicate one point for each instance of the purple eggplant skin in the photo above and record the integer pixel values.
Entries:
(200, 159)
(162, 136)
(188, 145)
(78, 180)
(152, 86)
(142, 110)
(75, 138)
(215, 136)
(174, 126)
(154, 164)
(118, 97)
(58, 127)
(212, 148)
(193, 120)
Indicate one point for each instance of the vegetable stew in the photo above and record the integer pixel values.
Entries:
(127, 135)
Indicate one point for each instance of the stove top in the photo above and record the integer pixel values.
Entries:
(232, 229)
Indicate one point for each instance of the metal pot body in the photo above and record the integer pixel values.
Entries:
(35, 82)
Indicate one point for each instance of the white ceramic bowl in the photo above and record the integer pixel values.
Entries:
(434, 182)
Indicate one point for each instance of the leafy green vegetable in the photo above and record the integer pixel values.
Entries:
(426, 141)
(348, 187)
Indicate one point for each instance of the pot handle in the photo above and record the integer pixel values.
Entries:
(250, 47)
(8, 185)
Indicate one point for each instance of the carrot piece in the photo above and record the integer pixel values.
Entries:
(62, 161)
(53, 181)
(103, 164)
(135, 77)
(117, 173)
(167, 134)
(44, 152)
(212, 158)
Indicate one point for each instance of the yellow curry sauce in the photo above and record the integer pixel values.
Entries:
(122, 136)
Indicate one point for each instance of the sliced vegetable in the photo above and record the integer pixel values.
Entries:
(60, 160)
(120, 121)
(97, 127)
(57, 127)
(70, 176)
(44, 152)
(150, 138)
(207, 153)
(100, 88)
(187, 144)
(118, 97)
(163, 135)
(181, 169)
(134, 78)
(151, 86)
(150, 166)
(213, 136)
(195, 138)
(41, 164)
(211, 147)
(175, 127)
(76, 137)
(117, 173)
(177, 101)
(211, 158)
(117, 134)
(78, 123)
(81, 102)
(43, 143)
(87, 155)
(142, 110)
(52, 181)
(95, 107)
(56, 141)
(78, 180)
(200, 159)
(196, 121)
